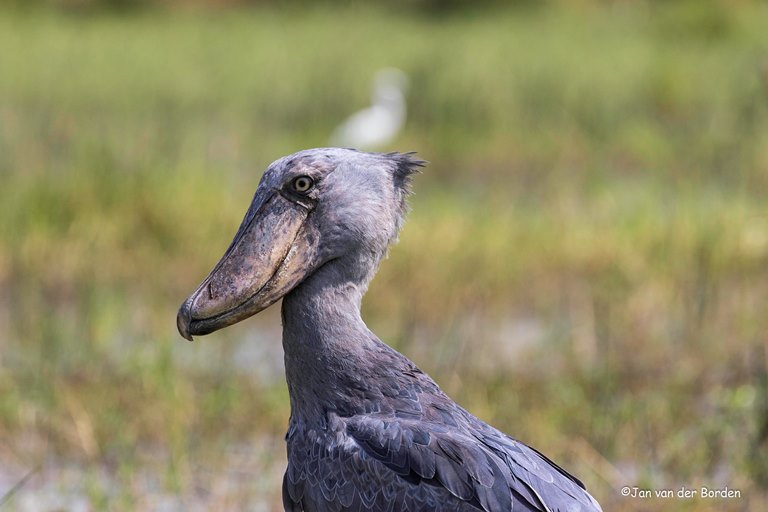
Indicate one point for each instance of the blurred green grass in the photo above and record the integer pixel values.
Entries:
(585, 266)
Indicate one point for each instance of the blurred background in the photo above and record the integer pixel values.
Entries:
(585, 265)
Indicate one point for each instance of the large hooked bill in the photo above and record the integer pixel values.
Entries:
(268, 257)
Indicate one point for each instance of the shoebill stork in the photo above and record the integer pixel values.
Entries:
(369, 431)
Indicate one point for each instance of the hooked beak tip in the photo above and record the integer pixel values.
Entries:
(184, 320)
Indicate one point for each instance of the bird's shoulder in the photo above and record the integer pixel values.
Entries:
(366, 463)
(445, 457)
(411, 445)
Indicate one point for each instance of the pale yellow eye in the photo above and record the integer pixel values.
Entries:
(302, 184)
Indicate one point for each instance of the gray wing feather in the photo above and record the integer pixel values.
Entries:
(383, 463)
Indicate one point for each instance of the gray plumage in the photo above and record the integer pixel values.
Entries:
(369, 431)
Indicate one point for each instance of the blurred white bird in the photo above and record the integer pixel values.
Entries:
(376, 126)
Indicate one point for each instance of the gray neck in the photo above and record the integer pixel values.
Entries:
(330, 355)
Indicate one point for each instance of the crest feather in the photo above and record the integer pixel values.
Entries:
(406, 165)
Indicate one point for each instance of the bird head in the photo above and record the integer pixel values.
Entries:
(310, 208)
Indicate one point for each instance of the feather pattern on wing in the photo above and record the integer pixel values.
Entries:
(420, 452)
